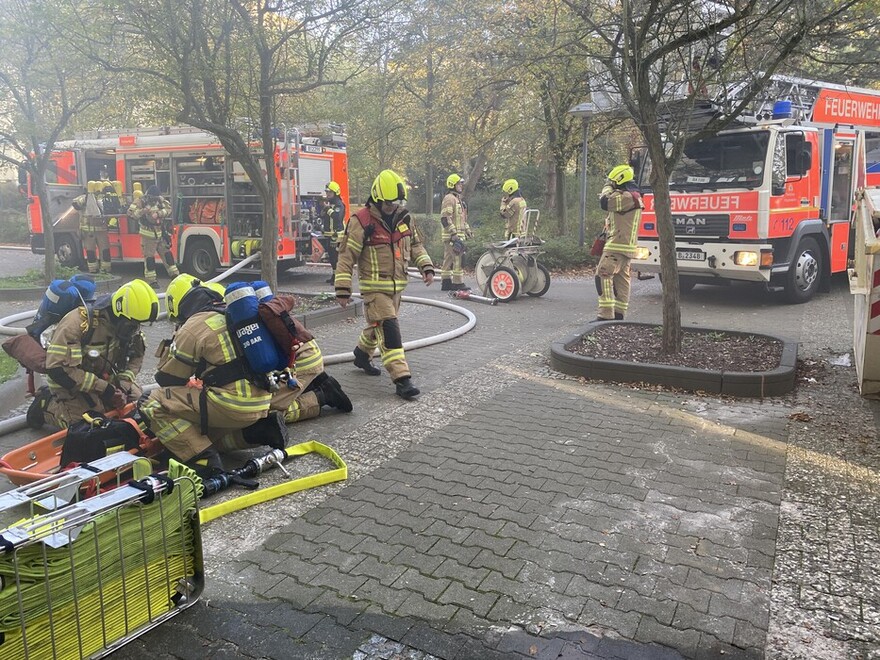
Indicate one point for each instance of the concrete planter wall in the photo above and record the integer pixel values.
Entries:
(774, 382)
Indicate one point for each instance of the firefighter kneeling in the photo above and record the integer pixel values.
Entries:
(204, 402)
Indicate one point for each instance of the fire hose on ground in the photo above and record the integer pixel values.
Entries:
(19, 422)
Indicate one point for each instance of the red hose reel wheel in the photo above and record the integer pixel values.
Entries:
(504, 284)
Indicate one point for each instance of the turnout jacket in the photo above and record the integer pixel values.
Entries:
(143, 212)
(453, 216)
(381, 252)
(625, 210)
(513, 210)
(333, 218)
(201, 348)
(73, 371)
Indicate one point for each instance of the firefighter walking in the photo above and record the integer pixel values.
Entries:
(513, 210)
(205, 403)
(333, 217)
(453, 218)
(94, 355)
(153, 213)
(382, 240)
(621, 198)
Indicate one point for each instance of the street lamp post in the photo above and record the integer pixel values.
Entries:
(584, 111)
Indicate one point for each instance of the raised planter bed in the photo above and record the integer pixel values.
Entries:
(772, 382)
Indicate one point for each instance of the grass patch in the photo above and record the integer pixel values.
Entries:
(37, 278)
(8, 367)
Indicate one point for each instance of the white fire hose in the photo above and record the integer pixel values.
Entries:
(19, 421)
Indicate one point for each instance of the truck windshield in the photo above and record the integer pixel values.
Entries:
(734, 160)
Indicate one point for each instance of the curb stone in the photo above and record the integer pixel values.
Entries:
(773, 382)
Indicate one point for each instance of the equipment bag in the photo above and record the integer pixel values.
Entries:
(287, 331)
(256, 342)
(27, 351)
(94, 435)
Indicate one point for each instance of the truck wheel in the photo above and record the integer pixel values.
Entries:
(67, 250)
(805, 272)
(200, 259)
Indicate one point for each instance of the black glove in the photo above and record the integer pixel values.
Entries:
(113, 398)
(457, 245)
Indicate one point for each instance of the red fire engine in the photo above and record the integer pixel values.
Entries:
(771, 200)
(217, 213)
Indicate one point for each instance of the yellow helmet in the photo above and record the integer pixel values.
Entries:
(177, 289)
(333, 187)
(217, 287)
(510, 186)
(452, 180)
(388, 187)
(136, 301)
(621, 174)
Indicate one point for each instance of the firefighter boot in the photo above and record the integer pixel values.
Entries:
(206, 463)
(618, 316)
(446, 285)
(406, 389)
(329, 393)
(36, 412)
(271, 431)
(363, 361)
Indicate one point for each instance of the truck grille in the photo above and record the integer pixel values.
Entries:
(714, 226)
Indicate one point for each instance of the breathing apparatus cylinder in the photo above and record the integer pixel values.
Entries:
(242, 312)
(263, 291)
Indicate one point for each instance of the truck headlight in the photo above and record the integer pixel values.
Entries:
(745, 258)
(642, 253)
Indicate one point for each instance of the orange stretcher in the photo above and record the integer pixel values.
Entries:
(41, 458)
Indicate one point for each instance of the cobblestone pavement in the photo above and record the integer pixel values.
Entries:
(515, 512)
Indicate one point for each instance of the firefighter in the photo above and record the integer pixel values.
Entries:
(205, 403)
(93, 227)
(153, 213)
(334, 219)
(513, 209)
(453, 218)
(621, 198)
(381, 240)
(94, 355)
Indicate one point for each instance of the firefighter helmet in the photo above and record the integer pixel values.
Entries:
(216, 287)
(136, 301)
(177, 289)
(333, 187)
(510, 186)
(452, 180)
(388, 187)
(621, 174)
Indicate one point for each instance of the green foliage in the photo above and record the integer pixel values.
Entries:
(8, 367)
(13, 227)
(37, 278)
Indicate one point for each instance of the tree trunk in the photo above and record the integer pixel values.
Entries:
(269, 188)
(668, 264)
(39, 180)
(561, 215)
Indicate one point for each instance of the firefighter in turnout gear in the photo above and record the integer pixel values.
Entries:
(93, 226)
(153, 213)
(621, 198)
(334, 218)
(96, 352)
(513, 210)
(205, 402)
(453, 218)
(382, 240)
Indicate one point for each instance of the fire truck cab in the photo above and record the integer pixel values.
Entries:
(770, 200)
(217, 214)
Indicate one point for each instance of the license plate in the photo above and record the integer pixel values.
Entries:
(690, 255)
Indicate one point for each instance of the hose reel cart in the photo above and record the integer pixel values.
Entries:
(84, 578)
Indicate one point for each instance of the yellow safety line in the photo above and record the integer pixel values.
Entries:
(339, 473)
(830, 464)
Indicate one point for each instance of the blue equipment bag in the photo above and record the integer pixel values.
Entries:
(243, 318)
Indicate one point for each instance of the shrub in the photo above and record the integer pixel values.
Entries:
(13, 227)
